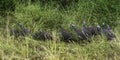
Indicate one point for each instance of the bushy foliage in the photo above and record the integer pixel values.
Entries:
(107, 11)
(96, 11)
(6, 5)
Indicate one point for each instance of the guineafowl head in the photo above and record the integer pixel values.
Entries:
(98, 27)
(84, 24)
(73, 26)
(104, 26)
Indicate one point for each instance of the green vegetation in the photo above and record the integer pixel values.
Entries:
(48, 15)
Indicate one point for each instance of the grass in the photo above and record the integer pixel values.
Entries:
(48, 18)
(30, 49)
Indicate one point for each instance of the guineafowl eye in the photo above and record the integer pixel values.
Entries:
(67, 36)
(81, 33)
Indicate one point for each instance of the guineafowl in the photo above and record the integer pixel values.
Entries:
(94, 30)
(14, 32)
(40, 35)
(108, 34)
(91, 30)
(107, 31)
(67, 36)
(22, 31)
(82, 33)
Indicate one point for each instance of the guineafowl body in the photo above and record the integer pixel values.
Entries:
(39, 35)
(67, 36)
(22, 31)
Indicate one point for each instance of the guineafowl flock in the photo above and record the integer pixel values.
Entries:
(84, 33)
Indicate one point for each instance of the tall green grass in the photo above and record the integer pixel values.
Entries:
(20, 49)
